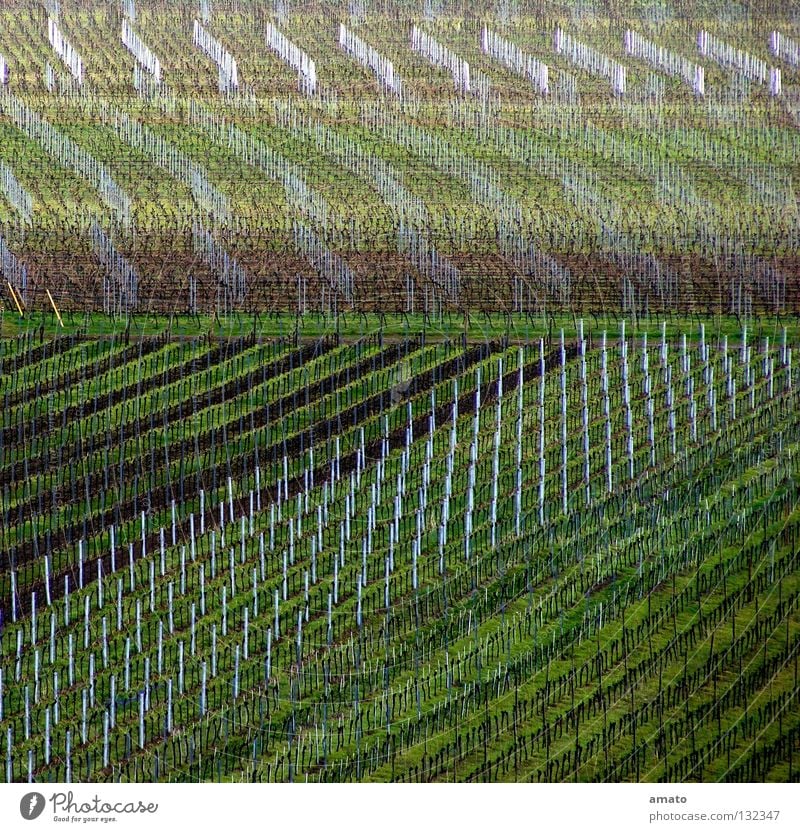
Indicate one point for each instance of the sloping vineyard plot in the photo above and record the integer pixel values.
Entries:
(494, 158)
(400, 560)
(398, 393)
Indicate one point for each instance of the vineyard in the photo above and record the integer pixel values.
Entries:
(399, 391)
(405, 559)
(215, 157)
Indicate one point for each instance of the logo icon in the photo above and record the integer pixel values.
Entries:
(32, 805)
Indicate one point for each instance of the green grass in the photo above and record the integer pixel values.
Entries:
(476, 326)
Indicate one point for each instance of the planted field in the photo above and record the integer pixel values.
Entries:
(325, 157)
(573, 558)
(399, 393)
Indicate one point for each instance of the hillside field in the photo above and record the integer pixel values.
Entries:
(399, 392)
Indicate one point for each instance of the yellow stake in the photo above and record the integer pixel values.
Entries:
(55, 308)
(14, 297)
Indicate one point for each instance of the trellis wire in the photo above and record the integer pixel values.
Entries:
(710, 46)
(775, 83)
(511, 56)
(553, 277)
(295, 57)
(60, 83)
(564, 434)
(585, 415)
(607, 415)
(145, 84)
(228, 71)
(754, 277)
(52, 7)
(418, 247)
(591, 60)
(171, 159)
(511, 238)
(13, 269)
(64, 49)
(465, 80)
(147, 683)
(674, 185)
(68, 154)
(432, 9)
(121, 283)
(371, 58)
(231, 275)
(658, 280)
(303, 199)
(785, 48)
(583, 187)
(667, 61)
(328, 264)
(414, 220)
(542, 445)
(480, 178)
(140, 51)
(19, 198)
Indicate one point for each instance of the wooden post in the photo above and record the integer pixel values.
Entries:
(55, 308)
(15, 299)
